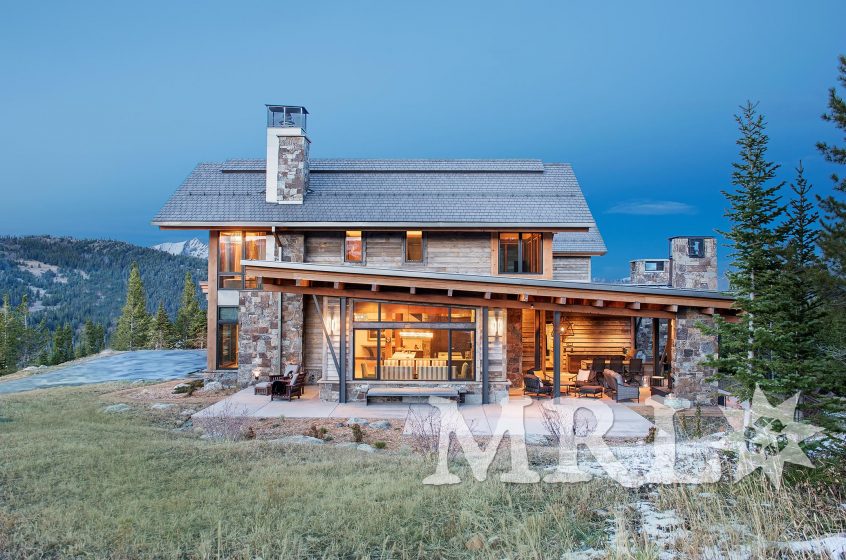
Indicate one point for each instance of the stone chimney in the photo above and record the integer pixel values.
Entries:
(286, 175)
(650, 272)
(693, 263)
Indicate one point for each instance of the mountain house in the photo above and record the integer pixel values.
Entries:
(457, 274)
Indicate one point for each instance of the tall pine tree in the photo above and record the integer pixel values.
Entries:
(134, 322)
(832, 240)
(161, 330)
(748, 346)
(190, 324)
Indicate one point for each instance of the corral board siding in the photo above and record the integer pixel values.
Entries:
(571, 269)
(597, 337)
(312, 340)
(464, 252)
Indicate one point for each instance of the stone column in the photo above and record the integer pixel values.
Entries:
(258, 335)
(691, 347)
(292, 249)
(514, 346)
(292, 175)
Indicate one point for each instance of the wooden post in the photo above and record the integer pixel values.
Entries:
(537, 340)
(342, 375)
(656, 326)
(556, 354)
(485, 357)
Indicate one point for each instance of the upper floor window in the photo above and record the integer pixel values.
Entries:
(520, 253)
(696, 247)
(234, 246)
(414, 246)
(653, 266)
(354, 247)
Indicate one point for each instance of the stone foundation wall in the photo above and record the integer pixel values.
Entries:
(691, 347)
(258, 335)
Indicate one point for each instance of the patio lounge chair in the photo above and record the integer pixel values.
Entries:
(635, 370)
(615, 385)
(287, 390)
(586, 384)
(616, 364)
(532, 384)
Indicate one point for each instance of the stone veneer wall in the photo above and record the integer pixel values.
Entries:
(691, 347)
(514, 347)
(639, 276)
(292, 177)
(693, 273)
(258, 335)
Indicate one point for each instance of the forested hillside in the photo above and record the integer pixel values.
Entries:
(71, 281)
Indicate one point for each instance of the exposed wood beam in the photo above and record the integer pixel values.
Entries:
(412, 290)
(302, 283)
(707, 310)
(481, 287)
(671, 308)
(561, 301)
(469, 301)
(449, 292)
(633, 305)
(599, 303)
(487, 295)
(338, 285)
(524, 297)
(374, 287)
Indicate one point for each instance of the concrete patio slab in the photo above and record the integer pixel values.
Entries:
(481, 419)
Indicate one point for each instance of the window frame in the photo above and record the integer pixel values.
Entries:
(659, 266)
(363, 248)
(381, 326)
(691, 244)
(242, 285)
(228, 322)
(501, 268)
(405, 258)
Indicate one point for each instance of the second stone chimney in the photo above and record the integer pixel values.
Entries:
(693, 263)
(286, 175)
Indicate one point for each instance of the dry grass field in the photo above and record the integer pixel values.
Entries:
(76, 482)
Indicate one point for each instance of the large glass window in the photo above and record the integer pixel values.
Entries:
(354, 247)
(520, 253)
(414, 246)
(234, 246)
(653, 266)
(227, 337)
(696, 247)
(404, 342)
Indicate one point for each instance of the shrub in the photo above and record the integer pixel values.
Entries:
(357, 433)
(379, 444)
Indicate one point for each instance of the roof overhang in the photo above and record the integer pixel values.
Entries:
(488, 291)
(395, 226)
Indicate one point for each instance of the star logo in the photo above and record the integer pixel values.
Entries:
(766, 437)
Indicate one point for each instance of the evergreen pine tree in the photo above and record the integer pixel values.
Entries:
(133, 324)
(747, 347)
(161, 330)
(798, 323)
(832, 240)
(190, 318)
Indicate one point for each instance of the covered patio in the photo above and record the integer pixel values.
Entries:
(519, 324)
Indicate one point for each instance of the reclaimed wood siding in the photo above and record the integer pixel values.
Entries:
(571, 269)
(598, 337)
(312, 339)
(456, 252)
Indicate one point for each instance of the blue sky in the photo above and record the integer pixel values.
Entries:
(106, 107)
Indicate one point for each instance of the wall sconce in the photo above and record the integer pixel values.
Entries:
(625, 350)
(496, 324)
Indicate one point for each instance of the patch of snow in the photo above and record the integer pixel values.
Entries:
(833, 545)
(663, 528)
(191, 247)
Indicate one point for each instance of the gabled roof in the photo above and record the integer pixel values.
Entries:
(578, 242)
(382, 193)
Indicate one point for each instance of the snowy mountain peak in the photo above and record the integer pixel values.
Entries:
(192, 248)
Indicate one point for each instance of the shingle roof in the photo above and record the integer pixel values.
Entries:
(347, 192)
(586, 242)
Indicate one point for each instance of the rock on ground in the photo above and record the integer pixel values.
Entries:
(161, 406)
(116, 408)
(381, 425)
(359, 421)
(211, 387)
